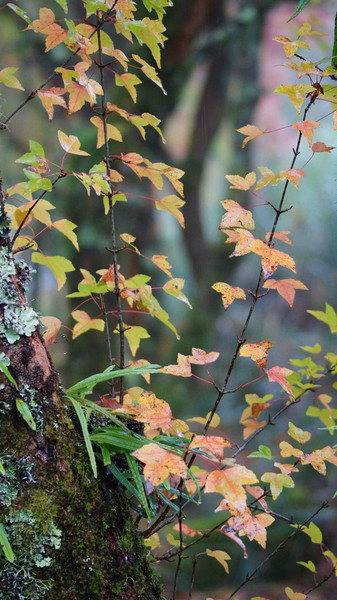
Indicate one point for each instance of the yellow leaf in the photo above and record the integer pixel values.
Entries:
(251, 131)
(296, 93)
(172, 204)
(294, 595)
(71, 144)
(181, 369)
(58, 265)
(298, 434)
(67, 228)
(160, 463)
(84, 323)
(134, 334)
(147, 408)
(215, 422)
(230, 484)
(236, 216)
(257, 352)
(220, 556)
(112, 132)
(271, 258)
(242, 183)
(129, 81)
(173, 287)
(8, 79)
(277, 482)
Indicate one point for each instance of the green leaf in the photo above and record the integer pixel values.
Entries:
(329, 317)
(58, 265)
(19, 11)
(299, 9)
(262, 452)
(6, 372)
(157, 5)
(8, 79)
(64, 5)
(24, 411)
(87, 440)
(2, 469)
(5, 544)
(316, 349)
(309, 565)
(313, 532)
(86, 385)
(138, 481)
(93, 5)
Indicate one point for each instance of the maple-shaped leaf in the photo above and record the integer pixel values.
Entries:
(67, 228)
(257, 492)
(285, 468)
(257, 352)
(71, 144)
(172, 204)
(242, 183)
(293, 175)
(85, 322)
(285, 287)
(230, 484)
(160, 463)
(268, 178)
(39, 211)
(149, 71)
(296, 93)
(129, 81)
(277, 482)
(298, 434)
(187, 530)
(294, 595)
(253, 526)
(280, 235)
(290, 48)
(332, 558)
(236, 216)
(210, 444)
(329, 316)
(146, 408)
(46, 25)
(243, 239)
(112, 132)
(317, 459)
(133, 334)
(314, 532)
(59, 266)
(251, 131)
(8, 78)
(279, 375)
(307, 128)
(53, 326)
(181, 369)
(162, 263)
(50, 98)
(271, 258)
(321, 147)
(221, 556)
(287, 450)
(173, 287)
(215, 422)
(200, 357)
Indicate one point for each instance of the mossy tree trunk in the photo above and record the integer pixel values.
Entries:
(73, 536)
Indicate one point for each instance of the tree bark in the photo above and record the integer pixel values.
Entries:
(73, 536)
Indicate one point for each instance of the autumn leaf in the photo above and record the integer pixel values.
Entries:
(306, 128)
(146, 408)
(71, 144)
(210, 444)
(296, 93)
(215, 422)
(187, 530)
(257, 352)
(271, 258)
(67, 228)
(285, 287)
(317, 459)
(298, 434)
(242, 183)
(285, 468)
(280, 235)
(58, 265)
(8, 78)
(220, 556)
(253, 526)
(181, 369)
(159, 463)
(133, 334)
(84, 323)
(162, 263)
(172, 204)
(290, 48)
(47, 26)
(293, 175)
(53, 326)
(287, 450)
(321, 147)
(314, 532)
(112, 132)
(129, 81)
(51, 98)
(251, 131)
(243, 239)
(294, 595)
(230, 484)
(200, 357)
(173, 287)
(236, 216)
(279, 375)
(277, 482)
(268, 178)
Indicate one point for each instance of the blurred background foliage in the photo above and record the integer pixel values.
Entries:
(219, 67)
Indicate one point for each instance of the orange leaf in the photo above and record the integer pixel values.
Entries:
(271, 258)
(147, 408)
(187, 530)
(253, 526)
(181, 369)
(112, 132)
(52, 97)
(285, 287)
(280, 235)
(285, 468)
(242, 183)
(243, 239)
(230, 484)
(317, 458)
(47, 26)
(162, 263)
(160, 463)
(306, 128)
(279, 374)
(251, 131)
(53, 326)
(236, 216)
(257, 352)
(200, 357)
(293, 175)
(321, 147)
(211, 444)
(172, 204)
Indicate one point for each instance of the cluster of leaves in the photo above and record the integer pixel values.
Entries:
(170, 464)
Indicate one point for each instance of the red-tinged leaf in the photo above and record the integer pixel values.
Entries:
(162, 263)
(146, 408)
(200, 475)
(129, 81)
(257, 352)
(280, 235)
(8, 78)
(321, 147)
(242, 183)
(67, 228)
(112, 132)
(251, 131)
(236, 216)
(268, 178)
(84, 323)
(279, 375)
(53, 326)
(200, 357)
(210, 444)
(58, 265)
(129, 239)
(50, 98)
(285, 468)
(298, 434)
(253, 526)
(187, 530)
(317, 459)
(134, 334)
(172, 204)
(47, 26)
(277, 482)
(78, 96)
(271, 258)
(181, 369)
(290, 48)
(173, 287)
(71, 144)
(296, 93)
(293, 175)
(294, 595)
(306, 128)
(285, 287)
(221, 557)
(230, 484)
(235, 539)
(257, 492)
(160, 463)
(242, 238)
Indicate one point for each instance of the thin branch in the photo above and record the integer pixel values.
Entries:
(194, 567)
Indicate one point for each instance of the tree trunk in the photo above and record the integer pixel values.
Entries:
(72, 535)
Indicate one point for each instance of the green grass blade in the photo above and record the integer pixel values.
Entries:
(4, 541)
(138, 481)
(87, 440)
(86, 385)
